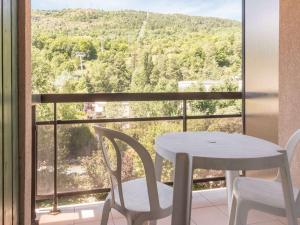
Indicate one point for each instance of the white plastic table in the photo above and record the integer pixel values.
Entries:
(209, 150)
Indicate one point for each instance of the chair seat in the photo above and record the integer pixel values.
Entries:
(136, 195)
(266, 192)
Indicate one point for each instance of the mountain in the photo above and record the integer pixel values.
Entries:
(130, 50)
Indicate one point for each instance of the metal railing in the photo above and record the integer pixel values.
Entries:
(116, 97)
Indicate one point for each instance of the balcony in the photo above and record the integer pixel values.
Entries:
(55, 173)
(209, 207)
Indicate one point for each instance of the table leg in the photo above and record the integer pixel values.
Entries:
(158, 166)
(182, 195)
(230, 176)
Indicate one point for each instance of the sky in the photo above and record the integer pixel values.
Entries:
(230, 9)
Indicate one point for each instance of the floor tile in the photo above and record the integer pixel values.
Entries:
(198, 201)
(116, 215)
(216, 196)
(209, 216)
(165, 221)
(63, 219)
(89, 213)
(66, 217)
(254, 216)
(120, 221)
(209, 208)
(269, 223)
(284, 221)
(110, 222)
(259, 217)
(223, 209)
(168, 220)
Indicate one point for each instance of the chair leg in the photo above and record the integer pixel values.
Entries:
(233, 210)
(288, 193)
(105, 212)
(241, 213)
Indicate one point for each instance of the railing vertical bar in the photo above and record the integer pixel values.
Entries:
(184, 114)
(34, 165)
(55, 209)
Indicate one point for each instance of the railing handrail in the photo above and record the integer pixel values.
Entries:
(115, 97)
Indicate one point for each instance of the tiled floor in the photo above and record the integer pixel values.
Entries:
(209, 208)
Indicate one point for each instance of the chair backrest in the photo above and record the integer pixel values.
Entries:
(291, 145)
(116, 174)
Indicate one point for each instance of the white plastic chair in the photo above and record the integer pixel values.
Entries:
(139, 200)
(266, 195)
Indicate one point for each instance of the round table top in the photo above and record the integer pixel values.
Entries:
(214, 145)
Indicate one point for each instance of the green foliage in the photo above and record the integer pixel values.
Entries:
(77, 140)
(96, 170)
(130, 51)
(70, 46)
(90, 51)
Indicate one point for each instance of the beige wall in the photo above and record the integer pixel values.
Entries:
(289, 76)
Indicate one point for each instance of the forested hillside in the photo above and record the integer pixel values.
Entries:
(130, 51)
(88, 51)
